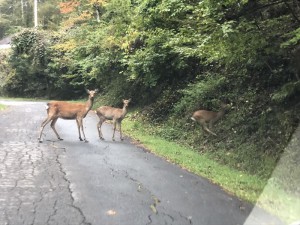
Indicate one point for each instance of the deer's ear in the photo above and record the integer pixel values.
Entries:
(96, 90)
(87, 90)
(129, 100)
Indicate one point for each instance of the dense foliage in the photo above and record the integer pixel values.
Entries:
(173, 57)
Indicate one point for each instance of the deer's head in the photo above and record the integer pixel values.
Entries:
(126, 102)
(92, 93)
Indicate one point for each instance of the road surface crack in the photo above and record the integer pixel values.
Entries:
(71, 192)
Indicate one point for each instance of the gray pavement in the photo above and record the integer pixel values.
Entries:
(99, 182)
(5, 43)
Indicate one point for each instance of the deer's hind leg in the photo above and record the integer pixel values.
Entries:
(120, 127)
(78, 127)
(53, 128)
(204, 125)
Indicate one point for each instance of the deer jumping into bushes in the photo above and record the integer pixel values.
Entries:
(68, 111)
(114, 114)
(204, 116)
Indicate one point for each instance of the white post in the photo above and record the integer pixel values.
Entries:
(35, 13)
(22, 12)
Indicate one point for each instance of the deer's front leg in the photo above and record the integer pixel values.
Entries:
(78, 127)
(121, 137)
(81, 125)
(98, 129)
(99, 125)
(115, 123)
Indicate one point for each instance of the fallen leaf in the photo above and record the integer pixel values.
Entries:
(153, 209)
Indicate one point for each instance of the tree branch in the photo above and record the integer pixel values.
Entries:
(292, 11)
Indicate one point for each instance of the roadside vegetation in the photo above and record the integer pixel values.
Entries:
(2, 107)
(172, 58)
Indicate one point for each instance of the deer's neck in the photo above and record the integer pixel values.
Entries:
(89, 104)
(124, 111)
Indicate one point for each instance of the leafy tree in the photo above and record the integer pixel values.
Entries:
(29, 57)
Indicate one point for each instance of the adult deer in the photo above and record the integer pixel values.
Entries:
(204, 116)
(114, 114)
(68, 111)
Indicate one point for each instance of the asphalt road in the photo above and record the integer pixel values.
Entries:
(5, 43)
(99, 182)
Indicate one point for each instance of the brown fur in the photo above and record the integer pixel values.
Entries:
(204, 116)
(114, 114)
(68, 111)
